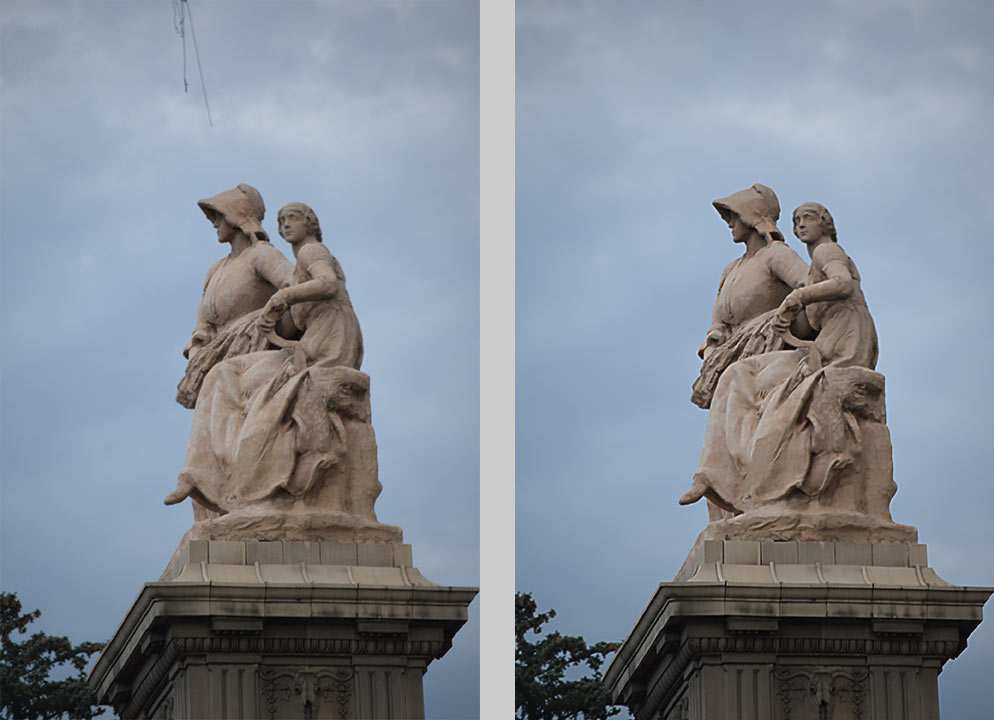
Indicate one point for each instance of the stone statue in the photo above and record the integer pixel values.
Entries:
(751, 287)
(281, 446)
(236, 287)
(796, 445)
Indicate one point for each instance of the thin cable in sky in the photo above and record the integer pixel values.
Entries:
(179, 17)
(179, 20)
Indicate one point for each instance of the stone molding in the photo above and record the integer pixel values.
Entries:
(427, 649)
(176, 649)
(148, 684)
(755, 603)
(339, 605)
(813, 646)
(194, 559)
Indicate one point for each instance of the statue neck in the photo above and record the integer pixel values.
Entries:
(239, 244)
(754, 243)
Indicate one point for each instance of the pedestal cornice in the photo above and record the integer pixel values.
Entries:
(217, 600)
(730, 604)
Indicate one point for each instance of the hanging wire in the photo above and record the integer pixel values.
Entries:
(181, 10)
(178, 20)
(196, 50)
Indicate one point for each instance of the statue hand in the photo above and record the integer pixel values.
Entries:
(792, 303)
(275, 306)
(788, 310)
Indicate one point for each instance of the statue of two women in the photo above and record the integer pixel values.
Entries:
(796, 420)
(281, 411)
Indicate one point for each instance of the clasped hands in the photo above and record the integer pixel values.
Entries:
(275, 306)
(789, 309)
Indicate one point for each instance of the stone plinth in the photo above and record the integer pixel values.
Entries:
(281, 630)
(795, 630)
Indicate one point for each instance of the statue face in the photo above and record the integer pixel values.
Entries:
(293, 227)
(740, 231)
(808, 226)
(225, 230)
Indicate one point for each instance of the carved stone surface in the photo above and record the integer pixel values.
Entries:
(281, 445)
(281, 630)
(796, 446)
(792, 630)
(306, 695)
(821, 693)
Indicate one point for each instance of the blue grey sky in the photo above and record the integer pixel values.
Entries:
(631, 118)
(368, 112)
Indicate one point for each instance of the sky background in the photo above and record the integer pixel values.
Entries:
(631, 118)
(368, 112)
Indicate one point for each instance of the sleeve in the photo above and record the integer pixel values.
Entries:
(204, 331)
(719, 330)
(833, 262)
(787, 266)
(319, 265)
(272, 265)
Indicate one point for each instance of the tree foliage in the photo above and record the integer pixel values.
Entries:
(541, 690)
(26, 691)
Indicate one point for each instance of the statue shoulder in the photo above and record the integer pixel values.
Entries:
(829, 252)
(782, 251)
(314, 252)
(266, 251)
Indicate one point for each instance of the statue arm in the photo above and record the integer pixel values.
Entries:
(272, 266)
(320, 267)
(839, 283)
(317, 262)
(787, 266)
(719, 331)
(205, 331)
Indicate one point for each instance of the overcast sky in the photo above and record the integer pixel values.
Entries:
(631, 118)
(368, 112)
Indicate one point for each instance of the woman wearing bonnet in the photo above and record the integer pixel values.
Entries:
(261, 425)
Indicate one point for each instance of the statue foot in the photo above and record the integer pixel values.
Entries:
(183, 489)
(696, 492)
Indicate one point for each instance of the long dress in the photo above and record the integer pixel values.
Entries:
(777, 421)
(261, 424)
(750, 290)
(236, 289)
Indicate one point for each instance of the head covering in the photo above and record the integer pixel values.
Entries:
(758, 208)
(242, 207)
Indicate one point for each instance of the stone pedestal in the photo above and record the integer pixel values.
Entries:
(795, 630)
(281, 630)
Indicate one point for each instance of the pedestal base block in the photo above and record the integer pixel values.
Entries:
(281, 630)
(795, 630)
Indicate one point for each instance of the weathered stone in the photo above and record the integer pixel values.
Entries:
(247, 639)
(796, 446)
(795, 640)
(281, 446)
